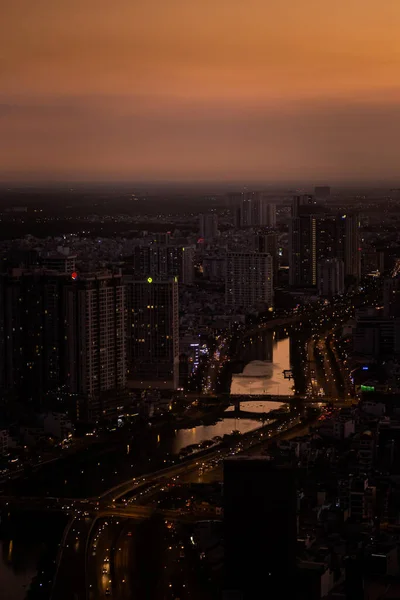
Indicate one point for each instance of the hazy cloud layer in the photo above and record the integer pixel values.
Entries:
(182, 90)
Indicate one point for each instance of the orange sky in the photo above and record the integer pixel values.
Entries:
(174, 89)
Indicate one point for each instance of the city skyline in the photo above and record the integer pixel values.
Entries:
(199, 300)
(160, 91)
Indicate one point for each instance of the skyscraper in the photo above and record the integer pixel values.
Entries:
(31, 334)
(352, 251)
(268, 243)
(260, 525)
(314, 235)
(59, 261)
(391, 297)
(153, 332)
(249, 279)
(253, 209)
(63, 337)
(164, 262)
(301, 202)
(95, 352)
(330, 277)
(208, 226)
(303, 250)
(372, 261)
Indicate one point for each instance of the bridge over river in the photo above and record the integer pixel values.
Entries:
(237, 399)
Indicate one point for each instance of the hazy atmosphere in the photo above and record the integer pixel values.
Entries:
(213, 90)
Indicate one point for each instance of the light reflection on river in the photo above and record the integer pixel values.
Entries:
(17, 569)
(186, 437)
(256, 406)
(258, 377)
(266, 377)
(19, 558)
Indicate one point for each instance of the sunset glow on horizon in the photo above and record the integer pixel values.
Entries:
(182, 90)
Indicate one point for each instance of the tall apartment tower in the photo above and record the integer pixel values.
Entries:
(164, 262)
(249, 279)
(59, 261)
(315, 235)
(253, 209)
(372, 261)
(331, 277)
(31, 334)
(352, 250)
(96, 344)
(153, 332)
(208, 226)
(391, 297)
(303, 242)
(260, 522)
(302, 201)
(303, 251)
(63, 337)
(267, 212)
(268, 243)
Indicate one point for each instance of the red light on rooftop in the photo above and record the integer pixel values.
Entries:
(74, 275)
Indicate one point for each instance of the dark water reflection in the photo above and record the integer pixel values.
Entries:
(106, 464)
(28, 541)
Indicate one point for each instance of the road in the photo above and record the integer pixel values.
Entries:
(110, 556)
(331, 389)
(140, 560)
(348, 387)
(69, 581)
(76, 564)
(215, 473)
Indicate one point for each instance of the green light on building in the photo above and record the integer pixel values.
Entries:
(367, 388)
(149, 280)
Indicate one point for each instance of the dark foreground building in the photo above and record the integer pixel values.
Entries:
(260, 529)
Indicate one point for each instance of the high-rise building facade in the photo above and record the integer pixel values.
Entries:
(303, 251)
(95, 340)
(253, 209)
(249, 279)
(31, 334)
(302, 202)
(391, 297)
(208, 226)
(316, 235)
(164, 262)
(63, 337)
(268, 243)
(331, 277)
(372, 262)
(260, 524)
(214, 267)
(352, 249)
(58, 261)
(153, 332)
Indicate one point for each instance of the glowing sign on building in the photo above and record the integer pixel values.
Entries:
(367, 388)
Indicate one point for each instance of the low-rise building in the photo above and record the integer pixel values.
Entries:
(57, 425)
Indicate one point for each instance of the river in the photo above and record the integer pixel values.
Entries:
(268, 356)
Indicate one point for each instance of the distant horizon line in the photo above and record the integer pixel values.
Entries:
(290, 185)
